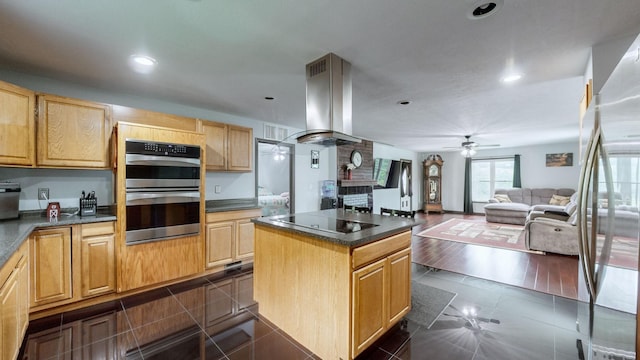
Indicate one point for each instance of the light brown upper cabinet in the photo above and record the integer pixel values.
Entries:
(73, 133)
(17, 125)
(228, 147)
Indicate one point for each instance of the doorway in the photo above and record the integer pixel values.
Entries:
(406, 191)
(274, 177)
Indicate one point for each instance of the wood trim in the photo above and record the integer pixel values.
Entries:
(232, 215)
(153, 118)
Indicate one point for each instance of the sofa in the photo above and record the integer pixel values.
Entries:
(511, 206)
(552, 228)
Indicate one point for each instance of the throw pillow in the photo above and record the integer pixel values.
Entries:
(559, 200)
(503, 198)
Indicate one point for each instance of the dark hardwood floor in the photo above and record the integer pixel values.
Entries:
(550, 273)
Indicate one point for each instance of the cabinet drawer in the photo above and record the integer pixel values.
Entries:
(101, 228)
(367, 253)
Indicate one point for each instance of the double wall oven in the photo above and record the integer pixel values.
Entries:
(162, 191)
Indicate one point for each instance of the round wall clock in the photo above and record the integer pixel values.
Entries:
(356, 158)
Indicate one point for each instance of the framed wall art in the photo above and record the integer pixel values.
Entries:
(560, 159)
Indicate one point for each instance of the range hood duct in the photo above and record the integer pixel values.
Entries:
(328, 102)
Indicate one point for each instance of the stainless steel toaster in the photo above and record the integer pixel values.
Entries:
(9, 200)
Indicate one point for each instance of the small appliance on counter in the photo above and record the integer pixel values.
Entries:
(88, 204)
(9, 200)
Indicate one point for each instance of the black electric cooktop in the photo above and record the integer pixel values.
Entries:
(326, 223)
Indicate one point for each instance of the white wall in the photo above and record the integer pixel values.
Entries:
(307, 180)
(64, 186)
(390, 198)
(534, 172)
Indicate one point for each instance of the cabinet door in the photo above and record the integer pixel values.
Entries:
(10, 317)
(73, 133)
(216, 139)
(399, 265)
(98, 265)
(17, 125)
(50, 266)
(244, 243)
(369, 304)
(239, 155)
(220, 239)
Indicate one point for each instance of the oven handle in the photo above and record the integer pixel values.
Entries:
(152, 160)
(162, 198)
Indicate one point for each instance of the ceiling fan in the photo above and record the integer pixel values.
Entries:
(467, 147)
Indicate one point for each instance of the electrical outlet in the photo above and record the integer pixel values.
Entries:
(43, 193)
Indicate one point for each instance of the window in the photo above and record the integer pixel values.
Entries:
(625, 171)
(488, 175)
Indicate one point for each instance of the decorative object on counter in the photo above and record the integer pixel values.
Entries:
(88, 204)
(348, 171)
(53, 210)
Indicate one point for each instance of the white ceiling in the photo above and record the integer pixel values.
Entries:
(227, 55)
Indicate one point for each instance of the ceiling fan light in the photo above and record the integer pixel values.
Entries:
(468, 152)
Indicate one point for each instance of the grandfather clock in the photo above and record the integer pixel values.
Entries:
(432, 184)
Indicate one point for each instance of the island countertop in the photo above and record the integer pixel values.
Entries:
(385, 226)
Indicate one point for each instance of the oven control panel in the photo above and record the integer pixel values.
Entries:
(162, 149)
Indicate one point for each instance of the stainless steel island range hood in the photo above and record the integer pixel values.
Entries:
(328, 102)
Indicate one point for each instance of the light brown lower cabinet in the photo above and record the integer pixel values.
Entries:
(56, 251)
(98, 259)
(381, 297)
(229, 237)
(348, 297)
(14, 300)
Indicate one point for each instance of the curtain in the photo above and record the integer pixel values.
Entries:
(517, 182)
(468, 204)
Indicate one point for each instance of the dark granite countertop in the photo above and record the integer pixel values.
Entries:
(386, 226)
(14, 232)
(231, 205)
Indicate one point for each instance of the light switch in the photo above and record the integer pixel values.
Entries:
(218, 189)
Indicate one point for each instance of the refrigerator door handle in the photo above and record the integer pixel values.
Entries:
(583, 196)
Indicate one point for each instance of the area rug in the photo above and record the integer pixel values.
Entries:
(428, 303)
(624, 252)
(504, 236)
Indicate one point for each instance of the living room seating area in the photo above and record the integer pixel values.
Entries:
(512, 206)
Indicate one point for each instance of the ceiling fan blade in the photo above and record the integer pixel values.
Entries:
(491, 145)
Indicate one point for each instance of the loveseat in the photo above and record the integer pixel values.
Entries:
(511, 206)
(553, 228)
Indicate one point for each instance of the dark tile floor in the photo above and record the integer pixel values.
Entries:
(216, 318)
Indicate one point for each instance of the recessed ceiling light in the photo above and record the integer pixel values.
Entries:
(142, 63)
(484, 8)
(404, 102)
(511, 78)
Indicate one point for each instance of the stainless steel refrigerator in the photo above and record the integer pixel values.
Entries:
(608, 222)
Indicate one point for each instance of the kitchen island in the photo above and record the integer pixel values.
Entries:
(334, 281)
